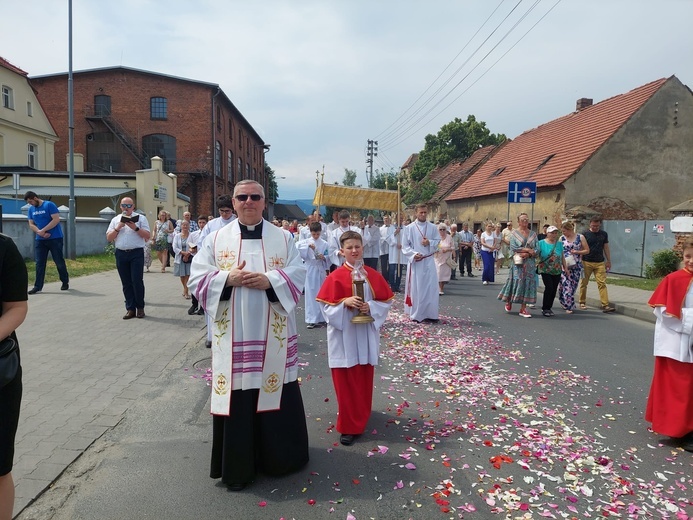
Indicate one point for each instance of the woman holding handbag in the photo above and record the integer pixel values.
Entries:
(574, 246)
(13, 291)
(160, 235)
(181, 262)
(551, 263)
(521, 285)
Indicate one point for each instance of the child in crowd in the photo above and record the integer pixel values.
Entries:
(353, 348)
(313, 251)
(670, 403)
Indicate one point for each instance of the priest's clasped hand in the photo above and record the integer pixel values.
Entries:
(237, 277)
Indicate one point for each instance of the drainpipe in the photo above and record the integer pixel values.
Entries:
(214, 152)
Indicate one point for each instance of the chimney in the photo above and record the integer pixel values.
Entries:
(582, 103)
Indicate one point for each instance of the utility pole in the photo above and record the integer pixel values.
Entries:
(372, 151)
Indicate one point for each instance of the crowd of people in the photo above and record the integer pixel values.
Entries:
(249, 278)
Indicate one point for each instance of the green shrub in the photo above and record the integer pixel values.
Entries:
(663, 262)
(109, 248)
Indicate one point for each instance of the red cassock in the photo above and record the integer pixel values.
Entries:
(354, 385)
(670, 402)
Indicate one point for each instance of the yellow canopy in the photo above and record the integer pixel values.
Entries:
(356, 198)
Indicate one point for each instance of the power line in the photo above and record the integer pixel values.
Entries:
(430, 98)
(403, 131)
(380, 135)
(392, 144)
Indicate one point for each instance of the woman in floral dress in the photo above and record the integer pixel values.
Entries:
(521, 285)
(442, 254)
(574, 245)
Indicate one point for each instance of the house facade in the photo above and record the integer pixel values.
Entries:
(26, 135)
(628, 157)
(124, 117)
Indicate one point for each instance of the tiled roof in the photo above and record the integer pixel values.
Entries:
(552, 152)
(6, 64)
(410, 161)
(455, 172)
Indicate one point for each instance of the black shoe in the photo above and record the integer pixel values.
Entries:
(200, 311)
(208, 344)
(34, 291)
(140, 313)
(236, 487)
(310, 326)
(65, 286)
(546, 313)
(471, 275)
(129, 314)
(347, 440)
(192, 310)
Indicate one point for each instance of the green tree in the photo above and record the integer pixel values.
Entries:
(421, 191)
(272, 187)
(385, 180)
(349, 177)
(456, 140)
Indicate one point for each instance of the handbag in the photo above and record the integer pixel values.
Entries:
(551, 264)
(451, 263)
(570, 260)
(517, 259)
(9, 361)
(187, 260)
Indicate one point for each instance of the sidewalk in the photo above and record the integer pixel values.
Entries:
(84, 366)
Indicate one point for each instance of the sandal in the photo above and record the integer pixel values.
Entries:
(583, 306)
(186, 296)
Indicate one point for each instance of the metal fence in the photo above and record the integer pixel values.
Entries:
(632, 243)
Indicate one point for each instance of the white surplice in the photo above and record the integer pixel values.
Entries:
(245, 325)
(315, 275)
(350, 344)
(421, 286)
(334, 245)
(672, 338)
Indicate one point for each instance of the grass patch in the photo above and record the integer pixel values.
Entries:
(646, 284)
(82, 266)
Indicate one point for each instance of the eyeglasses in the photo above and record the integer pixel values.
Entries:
(243, 197)
(225, 210)
(126, 205)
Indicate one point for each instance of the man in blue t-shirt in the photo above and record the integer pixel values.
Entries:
(44, 220)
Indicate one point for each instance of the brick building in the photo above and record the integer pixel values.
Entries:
(123, 117)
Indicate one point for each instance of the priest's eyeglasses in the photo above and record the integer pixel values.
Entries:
(126, 205)
(244, 197)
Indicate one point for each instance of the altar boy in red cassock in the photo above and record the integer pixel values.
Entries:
(353, 348)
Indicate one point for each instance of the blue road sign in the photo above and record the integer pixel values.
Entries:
(522, 192)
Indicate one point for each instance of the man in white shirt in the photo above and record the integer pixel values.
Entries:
(371, 245)
(129, 238)
(396, 259)
(335, 222)
(419, 243)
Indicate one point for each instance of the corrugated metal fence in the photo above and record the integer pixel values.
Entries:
(632, 243)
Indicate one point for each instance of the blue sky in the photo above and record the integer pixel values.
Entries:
(318, 79)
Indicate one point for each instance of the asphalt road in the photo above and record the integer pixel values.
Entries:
(484, 414)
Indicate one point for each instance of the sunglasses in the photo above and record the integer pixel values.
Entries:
(126, 205)
(243, 197)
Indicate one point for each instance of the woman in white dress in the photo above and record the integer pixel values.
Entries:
(442, 254)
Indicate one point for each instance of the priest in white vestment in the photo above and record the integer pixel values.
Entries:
(248, 276)
(419, 243)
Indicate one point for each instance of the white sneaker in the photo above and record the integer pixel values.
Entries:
(485, 283)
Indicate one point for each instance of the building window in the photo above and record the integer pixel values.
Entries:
(255, 175)
(29, 109)
(163, 146)
(102, 105)
(7, 97)
(229, 166)
(240, 138)
(239, 171)
(217, 159)
(247, 171)
(247, 146)
(158, 108)
(32, 155)
(218, 118)
(230, 129)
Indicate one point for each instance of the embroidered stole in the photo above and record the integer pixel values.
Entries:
(273, 254)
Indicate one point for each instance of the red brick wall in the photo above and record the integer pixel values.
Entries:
(190, 121)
